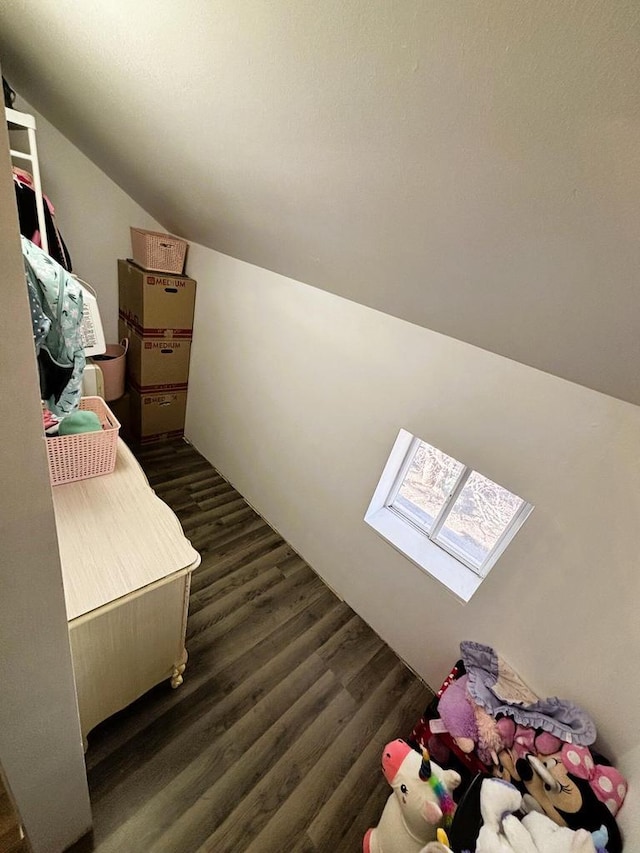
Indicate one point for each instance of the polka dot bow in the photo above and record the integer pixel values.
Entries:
(609, 786)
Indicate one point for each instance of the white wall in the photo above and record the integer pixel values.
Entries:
(40, 740)
(92, 212)
(296, 396)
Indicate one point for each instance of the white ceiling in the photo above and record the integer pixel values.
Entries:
(470, 165)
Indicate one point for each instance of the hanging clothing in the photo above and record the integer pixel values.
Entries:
(54, 377)
(61, 358)
(40, 323)
(28, 217)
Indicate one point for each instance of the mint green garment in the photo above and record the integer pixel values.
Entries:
(61, 299)
(79, 421)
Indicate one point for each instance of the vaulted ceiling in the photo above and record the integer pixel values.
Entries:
(472, 166)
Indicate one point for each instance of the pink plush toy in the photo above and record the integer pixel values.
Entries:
(457, 715)
(528, 741)
(472, 728)
(608, 784)
(419, 804)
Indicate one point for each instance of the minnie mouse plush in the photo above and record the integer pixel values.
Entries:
(567, 798)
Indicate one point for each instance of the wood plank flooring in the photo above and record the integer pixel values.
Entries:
(273, 741)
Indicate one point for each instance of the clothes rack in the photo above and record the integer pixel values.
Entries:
(17, 120)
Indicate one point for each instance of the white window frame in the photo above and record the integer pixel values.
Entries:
(421, 546)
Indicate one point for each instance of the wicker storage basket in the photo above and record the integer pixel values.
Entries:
(87, 454)
(158, 252)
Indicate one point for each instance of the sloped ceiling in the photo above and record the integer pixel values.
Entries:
(470, 165)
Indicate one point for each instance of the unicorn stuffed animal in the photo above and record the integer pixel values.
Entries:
(419, 804)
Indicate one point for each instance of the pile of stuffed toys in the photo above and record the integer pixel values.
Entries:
(503, 832)
(545, 790)
(421, 802)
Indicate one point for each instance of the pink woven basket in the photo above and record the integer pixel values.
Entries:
(87, 454)
(158, 252)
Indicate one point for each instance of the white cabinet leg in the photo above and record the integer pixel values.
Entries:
(178, 670)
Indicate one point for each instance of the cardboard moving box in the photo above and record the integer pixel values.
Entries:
(156, 305)
(157, 416)
(153, 364)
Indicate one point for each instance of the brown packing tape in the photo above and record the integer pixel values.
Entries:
(161, 388)
(154, 332)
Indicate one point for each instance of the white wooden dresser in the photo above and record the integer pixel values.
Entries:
(126, 568)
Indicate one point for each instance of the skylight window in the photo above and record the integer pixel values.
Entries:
(449, 519)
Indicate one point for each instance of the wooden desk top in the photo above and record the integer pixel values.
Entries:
(115, 536)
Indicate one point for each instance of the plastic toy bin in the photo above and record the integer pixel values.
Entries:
(87, 454)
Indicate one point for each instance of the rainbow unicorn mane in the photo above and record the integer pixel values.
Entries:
(445, 800)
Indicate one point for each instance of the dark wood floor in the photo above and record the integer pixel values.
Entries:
(273, 741)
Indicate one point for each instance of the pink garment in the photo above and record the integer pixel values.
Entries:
(26, 178)
(48, 419)
(609, 786)
(507, 730)
(530, 741)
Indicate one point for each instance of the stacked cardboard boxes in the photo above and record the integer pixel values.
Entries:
(156, 316)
